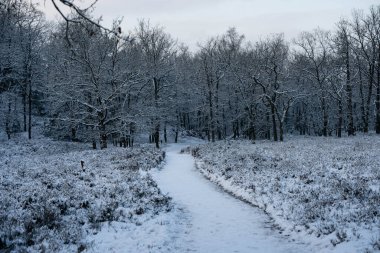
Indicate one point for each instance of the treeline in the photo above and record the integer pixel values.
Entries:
(100, 86)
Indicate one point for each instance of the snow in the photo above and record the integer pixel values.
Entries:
(321, 191)
(48, 202)
(162, 233)
(234, 197)
(218, 221)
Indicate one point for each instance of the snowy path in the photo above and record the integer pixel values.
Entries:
(219, 222)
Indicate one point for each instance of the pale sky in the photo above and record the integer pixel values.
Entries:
(192, 21)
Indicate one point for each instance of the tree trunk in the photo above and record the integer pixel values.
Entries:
(30, 110)
(156, 84)
(362, 105)
(281, 121)
(212, 123)
(280, 124)
(350, 118)
(252, 119)
(103, 136)
(182, 120)
(165, 134)
(224, 125)
(377, 127)
(324, 117)
(8, 121)
(368, 105)
(188, 121)
(268, 125)
(157, 136)
(24, 102)
(274, 123)
(217, 113)
(235, 129)
(377, 103)
(340, 118)
(253, 127)
(176, 128)
(103, 141)
(73, 134)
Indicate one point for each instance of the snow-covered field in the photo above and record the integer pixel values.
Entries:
(321, 191)
(49, 203)
(322, 194)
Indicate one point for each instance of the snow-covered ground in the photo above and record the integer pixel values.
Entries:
(321, 191)
(313, 194)
(217, 222)
(49, 203)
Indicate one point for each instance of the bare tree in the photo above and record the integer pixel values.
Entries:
(211, 75)
(316, 52)
(22, 32)
(364, 36)
(343, 46)
(90, 79)
(157, 50)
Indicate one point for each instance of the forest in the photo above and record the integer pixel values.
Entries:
(109, 87)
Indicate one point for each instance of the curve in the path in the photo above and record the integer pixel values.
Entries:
(219, 222)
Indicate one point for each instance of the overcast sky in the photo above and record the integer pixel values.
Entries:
(192, 21)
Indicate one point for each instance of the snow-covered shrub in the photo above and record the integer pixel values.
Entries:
(326, 187)
(48, 202)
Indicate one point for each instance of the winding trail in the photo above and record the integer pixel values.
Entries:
(218, 221)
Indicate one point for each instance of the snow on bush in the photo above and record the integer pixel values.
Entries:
(48, 202)
(324, 187)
